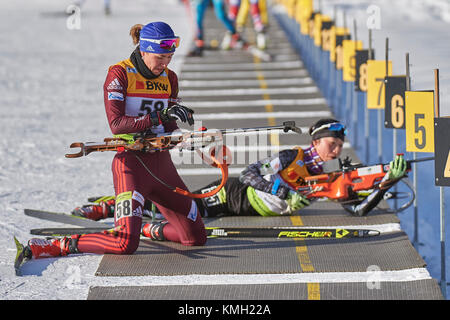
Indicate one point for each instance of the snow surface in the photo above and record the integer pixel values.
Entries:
(51, 82)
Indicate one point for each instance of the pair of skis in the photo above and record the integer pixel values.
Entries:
(89, 226)
(86, 226)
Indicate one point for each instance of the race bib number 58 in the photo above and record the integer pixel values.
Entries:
(124, 207)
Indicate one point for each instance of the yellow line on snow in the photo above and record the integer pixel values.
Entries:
(274, 137)
(301, 248)
(305, 261)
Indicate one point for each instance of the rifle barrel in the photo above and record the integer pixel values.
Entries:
(243, 130)
(421, 159)
(288, 125)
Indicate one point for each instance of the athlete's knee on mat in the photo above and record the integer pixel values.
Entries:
(199, 240)
(129, 246)
(188, 234)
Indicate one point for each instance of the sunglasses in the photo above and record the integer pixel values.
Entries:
(335, 126)
(167, 44)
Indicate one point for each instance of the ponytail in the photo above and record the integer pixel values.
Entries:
(135, 32)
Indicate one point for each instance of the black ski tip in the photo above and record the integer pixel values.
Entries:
(64, 218)
(93, 199)
(27, 211)
(62, 232)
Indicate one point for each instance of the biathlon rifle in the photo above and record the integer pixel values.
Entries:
(342, 179)
(219, 154)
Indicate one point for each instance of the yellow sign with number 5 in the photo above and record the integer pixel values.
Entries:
(419, 121)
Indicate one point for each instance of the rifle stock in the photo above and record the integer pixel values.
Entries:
(337, 185)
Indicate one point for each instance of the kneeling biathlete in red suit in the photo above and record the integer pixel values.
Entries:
(140, 94)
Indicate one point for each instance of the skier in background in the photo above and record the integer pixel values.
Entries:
(140, 95)
(238, 12)
(231, 39)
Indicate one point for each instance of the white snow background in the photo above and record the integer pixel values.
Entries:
(51, 82)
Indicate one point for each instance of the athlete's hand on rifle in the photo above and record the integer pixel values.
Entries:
(296, 201)
(179, 112)
(397, 167)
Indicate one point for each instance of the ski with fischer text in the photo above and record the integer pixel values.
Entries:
(240, 232)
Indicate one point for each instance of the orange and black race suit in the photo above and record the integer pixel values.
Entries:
(263, 186)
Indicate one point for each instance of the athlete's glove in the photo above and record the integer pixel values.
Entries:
(397, 167)
(296, 201)
(178, 112)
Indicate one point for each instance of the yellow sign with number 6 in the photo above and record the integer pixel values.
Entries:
(419, 121)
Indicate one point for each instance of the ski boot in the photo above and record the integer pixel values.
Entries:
(226, 41)
(261, 42)
(53, 247)
(102, 210)
(237, 42)
(232, 41)
(197, 51)
(154, 230)
(44, 248)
